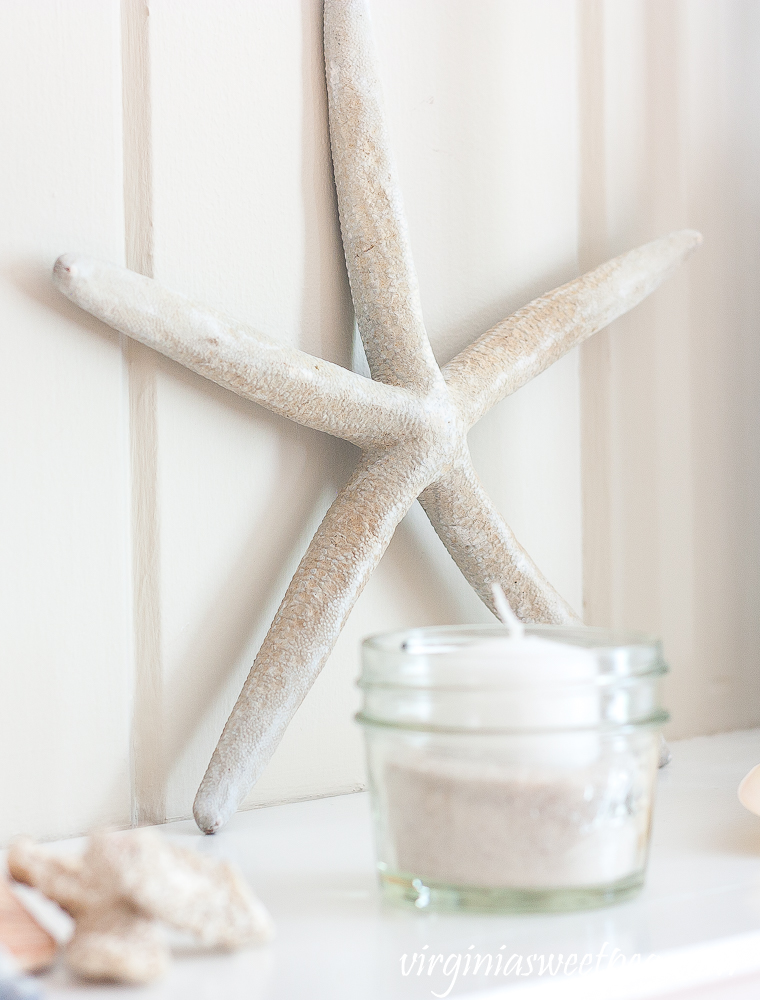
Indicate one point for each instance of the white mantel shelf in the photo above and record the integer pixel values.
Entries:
(312, 864)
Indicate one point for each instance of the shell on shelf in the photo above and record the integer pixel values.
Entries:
(29, 944)
(749, 790)
(126, 888)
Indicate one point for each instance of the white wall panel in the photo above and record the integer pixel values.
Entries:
(65, 684)
(682, 132)
(245, 219)
(529, 135)
(484, 114)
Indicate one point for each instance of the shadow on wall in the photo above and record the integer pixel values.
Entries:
(32, 277)
(206, 683)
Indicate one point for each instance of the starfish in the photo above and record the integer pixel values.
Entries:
(410, 419)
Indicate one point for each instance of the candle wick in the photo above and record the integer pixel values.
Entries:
(506, 614)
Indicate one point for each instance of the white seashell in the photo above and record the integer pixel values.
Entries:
(749, 791)
(126, 888)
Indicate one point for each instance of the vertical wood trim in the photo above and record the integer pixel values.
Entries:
(148, 780)
(138, 167)
(595, 361)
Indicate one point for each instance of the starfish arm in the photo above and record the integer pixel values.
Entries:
(523, 345)
(485, 549)
(311, 391)
(375, 239)
(346, 548)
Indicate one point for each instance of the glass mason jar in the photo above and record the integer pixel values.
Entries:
(511, 775)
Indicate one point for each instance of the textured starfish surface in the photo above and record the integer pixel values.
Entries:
(410, 419)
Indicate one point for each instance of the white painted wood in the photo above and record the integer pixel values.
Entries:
(483, 109)
(147, 771)
(65, 683)
(245, 219)
(682, 130)
(312, 864)
(239, 115)
(594, 355)
(494, 137)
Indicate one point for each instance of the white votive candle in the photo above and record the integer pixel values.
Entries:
(543, 689)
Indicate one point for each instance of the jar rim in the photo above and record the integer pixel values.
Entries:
(596, 637)
(431, 657)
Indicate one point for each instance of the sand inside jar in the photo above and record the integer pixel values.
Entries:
(468, 823)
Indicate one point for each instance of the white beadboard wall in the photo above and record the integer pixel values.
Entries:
(65, 643)
(149, 521)
(674, 454)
